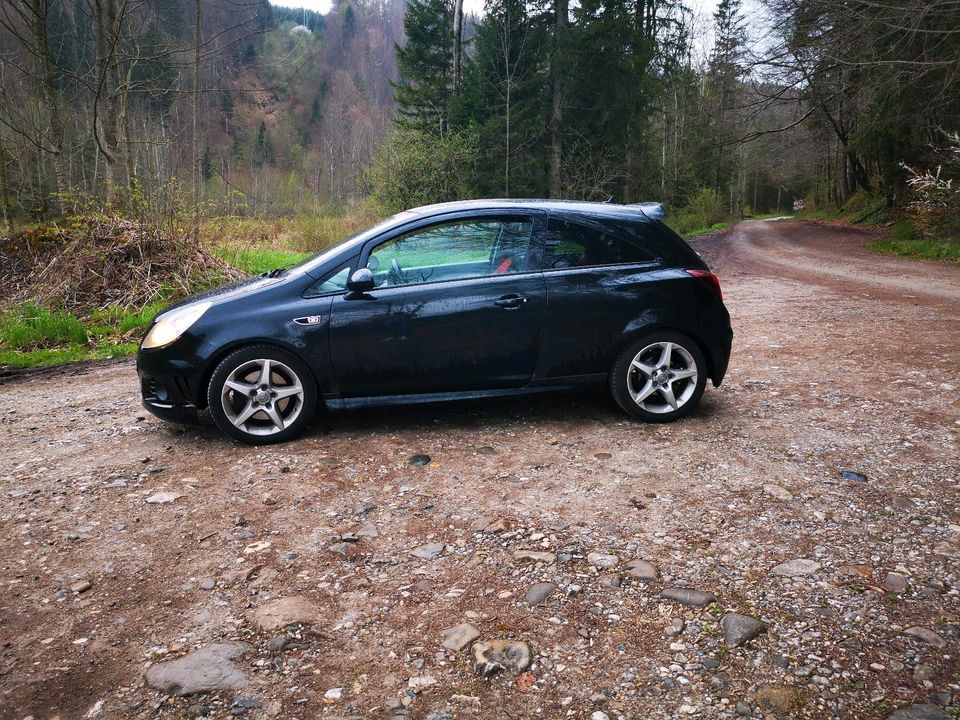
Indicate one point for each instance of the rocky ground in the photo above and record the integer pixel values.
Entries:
(791, 550)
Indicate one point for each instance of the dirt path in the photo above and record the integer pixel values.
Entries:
(842, 361)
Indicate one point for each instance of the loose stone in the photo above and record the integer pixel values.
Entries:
(602, 560)
(738, 629)
(428, 551)
(796, 568)
(459, 636)
(540, 592)
(642, 570)
(688, 596)
(925, 635)
(895, 584)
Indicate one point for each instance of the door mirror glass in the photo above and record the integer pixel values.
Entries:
(361, 281)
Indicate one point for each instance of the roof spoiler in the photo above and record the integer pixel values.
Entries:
(653, 210)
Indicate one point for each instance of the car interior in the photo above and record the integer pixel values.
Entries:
(453, 251)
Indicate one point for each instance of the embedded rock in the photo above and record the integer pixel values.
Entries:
(276, 615)
(208, 669)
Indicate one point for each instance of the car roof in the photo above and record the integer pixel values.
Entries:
(639, 212)
(635, 211)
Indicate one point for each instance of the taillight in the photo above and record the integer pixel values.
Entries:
(707, 277)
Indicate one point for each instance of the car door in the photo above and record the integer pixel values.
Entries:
(601, 280)
(458, 306)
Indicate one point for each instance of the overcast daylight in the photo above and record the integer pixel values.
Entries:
(479, 359)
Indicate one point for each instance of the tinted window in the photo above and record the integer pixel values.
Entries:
(571, 244)
(452, 251)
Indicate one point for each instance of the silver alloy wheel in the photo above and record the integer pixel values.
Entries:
(662, 377)
(262, 397)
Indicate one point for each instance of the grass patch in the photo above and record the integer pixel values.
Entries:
(59, 356)
(704, 230)
(116, 323)
(255, 261)
(31, 327)
(904, 240)
(35, 336)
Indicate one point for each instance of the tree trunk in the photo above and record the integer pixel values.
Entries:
(5, 196)
(195, 136)
(556, 113)
(457, 46)
(106, 104)
(506, 160)
(55, 130)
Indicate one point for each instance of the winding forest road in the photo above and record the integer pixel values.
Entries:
(126, 543)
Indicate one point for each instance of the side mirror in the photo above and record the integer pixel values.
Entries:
(361, 281)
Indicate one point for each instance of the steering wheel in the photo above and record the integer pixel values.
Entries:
(396, 275)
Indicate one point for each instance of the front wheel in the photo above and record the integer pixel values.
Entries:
(660, 377)
(262, 394)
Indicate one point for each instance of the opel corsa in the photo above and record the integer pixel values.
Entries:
(451, 301)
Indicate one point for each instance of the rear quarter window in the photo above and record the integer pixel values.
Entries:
(673, 247)
(581, 244)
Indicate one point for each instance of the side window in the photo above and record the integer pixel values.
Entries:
(453, 251)
(333, 282)
(571, 244)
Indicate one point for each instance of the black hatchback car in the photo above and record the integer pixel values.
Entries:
(450, 301)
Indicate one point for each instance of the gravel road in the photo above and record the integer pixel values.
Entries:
(141, 562)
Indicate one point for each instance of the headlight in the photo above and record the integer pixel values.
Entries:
(171, 325)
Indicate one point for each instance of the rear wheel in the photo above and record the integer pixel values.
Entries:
(262, 394)
(660, 377)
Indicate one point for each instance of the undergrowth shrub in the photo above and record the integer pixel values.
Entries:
(121, 253)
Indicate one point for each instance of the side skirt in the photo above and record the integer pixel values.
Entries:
(336, 402)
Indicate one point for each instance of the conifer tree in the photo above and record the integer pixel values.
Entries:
(425, 67)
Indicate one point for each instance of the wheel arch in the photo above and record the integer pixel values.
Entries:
(225, 350)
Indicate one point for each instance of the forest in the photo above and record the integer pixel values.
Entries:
(218, 136)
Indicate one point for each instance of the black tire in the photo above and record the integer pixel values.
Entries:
(259, 400)
(626, 379)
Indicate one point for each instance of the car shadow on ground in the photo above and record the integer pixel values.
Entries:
(565, 410)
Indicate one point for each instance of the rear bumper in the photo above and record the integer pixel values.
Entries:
(721, 358)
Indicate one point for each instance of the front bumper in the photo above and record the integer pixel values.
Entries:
(181, 414)
(171, 379)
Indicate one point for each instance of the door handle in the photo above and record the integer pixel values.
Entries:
(510, 302)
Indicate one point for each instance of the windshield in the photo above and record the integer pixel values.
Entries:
(357, 238)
